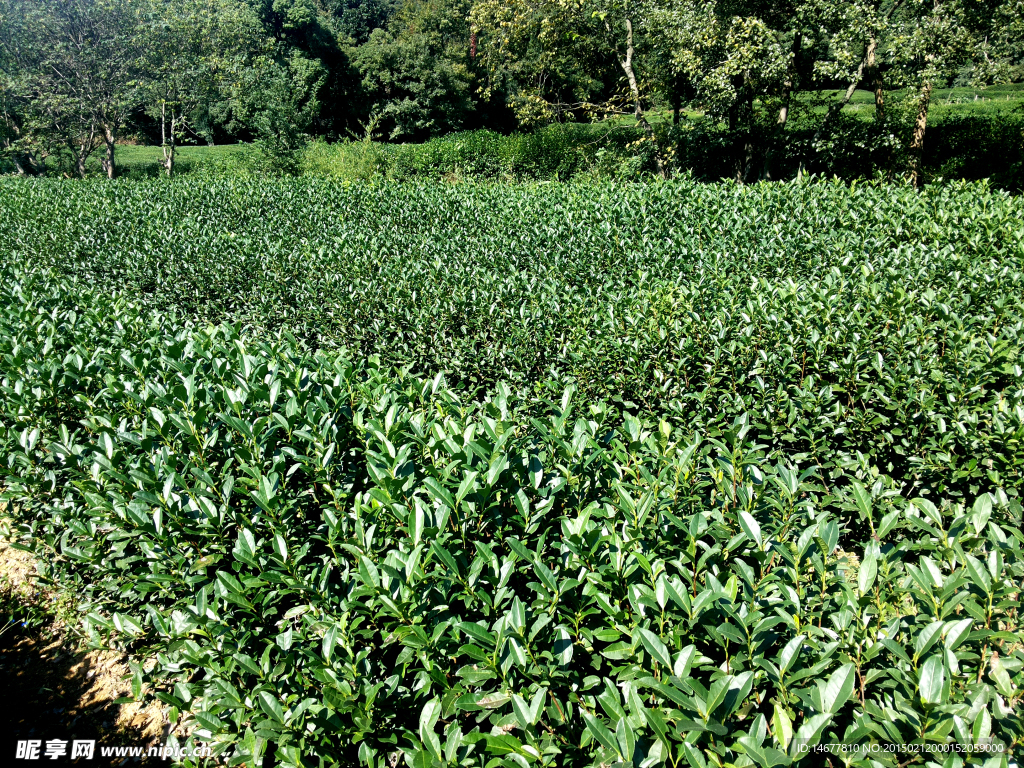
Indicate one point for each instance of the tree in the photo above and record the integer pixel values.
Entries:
(46, 106)
(733, 56)
(415, 91)
(192, 49)
(580, 58)
(930, 43)
(631, 14)
(417, 76)
(1001, 50)
(100, 55)
(21, 48)
(357, 19)
(551, 58)
(302, 51)
(78, 65)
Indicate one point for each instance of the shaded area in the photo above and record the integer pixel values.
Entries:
(53, 689)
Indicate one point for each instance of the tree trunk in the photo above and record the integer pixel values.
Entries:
(25, 162)
(8, 145)
(875, 76)
(169, 158)
(733, 117)
(679, 86)
(835, 109)
(16, 158)
(917, 143)
(167, 143)
(82, 150)
(638, 112)
(108, 158)
(787, 86)
(746, 159)
(787, 95)
(80, 158)
(741, 120)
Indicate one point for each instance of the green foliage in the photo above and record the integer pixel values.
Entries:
(698, 475)
(348, 160)
(139, 162)
(660, 296)
(415, 92)
(554, 152)
(549, 59)
(358, 18)
(973, 147)
(79, 76)
(704, 301)
(416, 77)
(969, 144)
(280, 99)
(296, 80)
(71, 74)
(326, 555)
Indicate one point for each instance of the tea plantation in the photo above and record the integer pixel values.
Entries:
(539, 475)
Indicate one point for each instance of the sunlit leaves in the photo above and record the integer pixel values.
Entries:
(769, 537)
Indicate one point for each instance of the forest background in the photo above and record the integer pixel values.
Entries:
(768, 89)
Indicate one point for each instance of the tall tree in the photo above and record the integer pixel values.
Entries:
(630, 17)
(417, 75)
(1001, 51)
(357, 19)
(193, 48)
(80, 64)
(930, 43)
(44, 114)
(734, 56)
(305, 69)
(22, 46)
(554, 60)
(581, 58)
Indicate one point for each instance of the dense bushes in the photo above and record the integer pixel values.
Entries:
(820, 304)
(958, 146)
(969, 146)
(978, 147)
(334, 564)
(554, 152)
(555, 475)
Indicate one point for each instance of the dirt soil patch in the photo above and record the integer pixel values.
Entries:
(53, 688)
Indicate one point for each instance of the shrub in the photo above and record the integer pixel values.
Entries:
(692, 474)
(957, 146)
(333, 564)
(978, 147)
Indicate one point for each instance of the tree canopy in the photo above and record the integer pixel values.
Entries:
(77, 76)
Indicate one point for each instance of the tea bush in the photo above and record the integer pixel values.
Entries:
(845, 321)
(519, 475)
